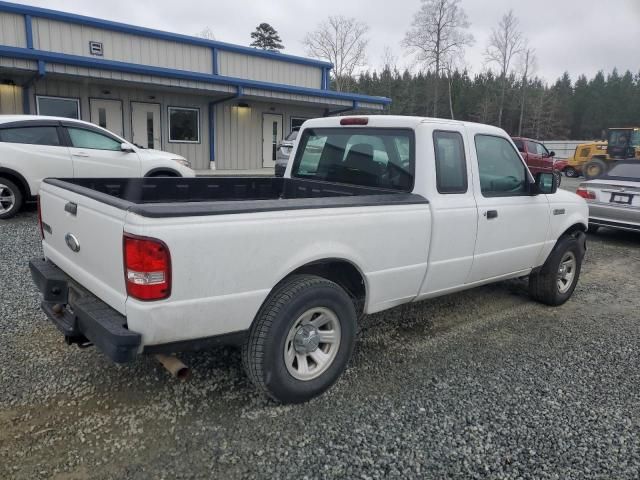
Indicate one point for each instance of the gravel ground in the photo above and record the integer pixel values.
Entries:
(481, 384)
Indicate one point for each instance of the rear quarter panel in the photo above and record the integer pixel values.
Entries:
(223, 267)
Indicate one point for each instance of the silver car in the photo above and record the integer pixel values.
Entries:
(614, 198)
(284, 151)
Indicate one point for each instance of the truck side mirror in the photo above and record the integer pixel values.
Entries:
(552, 153)
(546, 183)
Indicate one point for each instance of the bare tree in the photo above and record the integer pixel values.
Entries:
(206, 33)
(528, 63)
(505, 43)
(389, 60)
(341, 41)
(437, 36)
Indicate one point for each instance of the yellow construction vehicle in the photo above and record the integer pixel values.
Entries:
(595, 159)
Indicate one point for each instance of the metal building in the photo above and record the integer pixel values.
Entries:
(220, 105)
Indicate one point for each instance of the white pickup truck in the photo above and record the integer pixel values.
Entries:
(372, 212)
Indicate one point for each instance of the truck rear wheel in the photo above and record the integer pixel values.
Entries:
(10, 198)
(555, 282)
(301, 339)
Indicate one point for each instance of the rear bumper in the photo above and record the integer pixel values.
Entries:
(82, 317)
(614, 216)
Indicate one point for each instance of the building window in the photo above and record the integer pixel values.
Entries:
(296, 122)
(58, 107)
(184, 125)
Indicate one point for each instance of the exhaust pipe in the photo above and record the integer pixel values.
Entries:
(174, 366)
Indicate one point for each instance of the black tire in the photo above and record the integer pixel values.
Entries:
(263, 351)
(571, 172)
(11, 198)
(543, 285)
(594, 168)
(558, 175)
(593, 228)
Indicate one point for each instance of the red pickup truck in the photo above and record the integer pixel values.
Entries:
(537, 157)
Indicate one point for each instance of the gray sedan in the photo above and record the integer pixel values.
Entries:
(614, 198)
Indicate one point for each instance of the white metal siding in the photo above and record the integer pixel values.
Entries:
(17, 63)
(55, 36)
(234, 64)
(137, 78)
(198, 154)
(238, 142)
(12, 30)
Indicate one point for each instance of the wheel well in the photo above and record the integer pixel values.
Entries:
(341, 272)
(18, 180)
(573, 229)
(162, 172)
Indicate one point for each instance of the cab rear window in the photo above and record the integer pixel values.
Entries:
(373, 157)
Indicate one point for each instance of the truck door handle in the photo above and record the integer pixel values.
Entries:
(80, 154)
(491, 214)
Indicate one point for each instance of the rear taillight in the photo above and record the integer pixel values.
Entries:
(147, 267)
(584, 193)
(40, 218)
(354, 121)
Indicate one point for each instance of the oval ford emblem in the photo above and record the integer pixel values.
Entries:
(72, 242)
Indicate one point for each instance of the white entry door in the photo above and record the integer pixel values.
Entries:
(107, 114)
(271, 137)
(145, 123)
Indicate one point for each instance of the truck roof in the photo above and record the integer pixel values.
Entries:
(401, 121)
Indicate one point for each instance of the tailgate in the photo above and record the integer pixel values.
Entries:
(87, 244)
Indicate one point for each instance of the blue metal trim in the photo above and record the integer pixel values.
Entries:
(28, 27)
(214, 59)
(152, 33)
(212, 122)
(42, 68)
(100, 63)
(355, 106)
(326, 81)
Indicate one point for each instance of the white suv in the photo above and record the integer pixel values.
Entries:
(33, 148)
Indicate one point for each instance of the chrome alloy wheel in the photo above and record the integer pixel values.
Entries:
(312, 343)
(7, 199)
(566, 271)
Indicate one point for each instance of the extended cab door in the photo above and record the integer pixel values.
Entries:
(454, 212)
(512, 224)
(97, 154)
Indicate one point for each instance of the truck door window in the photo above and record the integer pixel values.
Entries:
(372, 157)
(451, 164)
(502, 172)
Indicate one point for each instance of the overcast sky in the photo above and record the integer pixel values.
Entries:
(578, 36)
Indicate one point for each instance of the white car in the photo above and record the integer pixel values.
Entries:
(33, 148)
(375, 211)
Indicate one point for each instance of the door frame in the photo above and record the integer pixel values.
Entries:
(131, 102)
(281, 115)
(111, 100)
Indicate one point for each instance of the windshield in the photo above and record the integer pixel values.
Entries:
(625, 170)
(373, 157)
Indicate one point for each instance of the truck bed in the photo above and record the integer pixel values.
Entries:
(175, 197)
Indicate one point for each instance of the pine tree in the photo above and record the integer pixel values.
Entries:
(266, 37)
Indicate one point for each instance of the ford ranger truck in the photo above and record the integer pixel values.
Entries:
(372, 212)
